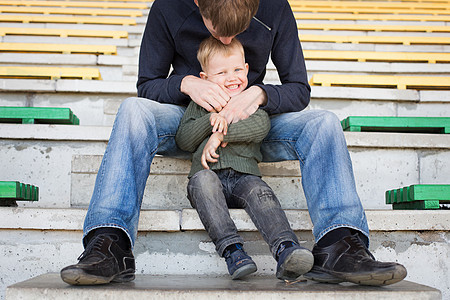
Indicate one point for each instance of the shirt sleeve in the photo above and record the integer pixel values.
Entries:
(251, 130)
(294, 92)
(155, 59)
(194, 128)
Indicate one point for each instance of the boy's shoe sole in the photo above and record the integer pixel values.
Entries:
(244, 271)
(297, 263)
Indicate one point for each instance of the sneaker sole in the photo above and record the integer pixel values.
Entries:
(321, 276)
(79, 277)
(378, 279)
(244, 271)
(373, 279)
(296, 264)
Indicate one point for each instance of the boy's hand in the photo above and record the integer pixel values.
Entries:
(205, 93)
(209, 151)
(218, 123)
(243, 105)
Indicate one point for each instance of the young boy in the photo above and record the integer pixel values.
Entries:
(225, 173)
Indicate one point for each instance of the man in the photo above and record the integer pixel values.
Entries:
(145, 127)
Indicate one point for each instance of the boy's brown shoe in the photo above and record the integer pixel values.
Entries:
(102, 262)
(350, 260)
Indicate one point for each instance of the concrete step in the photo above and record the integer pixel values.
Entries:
(51, 286)
(96, 103)
(63, 162)
(173, 242)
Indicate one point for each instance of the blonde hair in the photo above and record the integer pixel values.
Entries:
(228, 17)
(211, 46)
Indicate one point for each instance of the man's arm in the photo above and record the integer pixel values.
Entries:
(155, 59)
(294, 92)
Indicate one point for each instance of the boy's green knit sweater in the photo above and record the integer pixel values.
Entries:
(244, 140)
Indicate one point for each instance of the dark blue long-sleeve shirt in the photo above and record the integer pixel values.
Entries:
(175, 29)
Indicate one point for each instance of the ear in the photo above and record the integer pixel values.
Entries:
(246, 68)
(203, 75)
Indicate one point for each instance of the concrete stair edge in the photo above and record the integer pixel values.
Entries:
(63, 219)
(102, 133)
(197, 287)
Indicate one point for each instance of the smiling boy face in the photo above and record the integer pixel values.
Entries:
(228, 71)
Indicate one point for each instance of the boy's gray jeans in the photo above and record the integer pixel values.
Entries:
(211, 193)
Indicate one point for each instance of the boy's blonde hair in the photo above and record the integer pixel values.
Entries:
(229, 17)
(211, 46)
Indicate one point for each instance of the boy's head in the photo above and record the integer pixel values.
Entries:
(227, 18)
(224, 64)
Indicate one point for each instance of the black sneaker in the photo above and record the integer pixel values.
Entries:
(239, 263)
(102, 262)
(350, 260)
(293, 262)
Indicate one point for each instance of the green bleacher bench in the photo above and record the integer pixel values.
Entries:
(116, 34)
(58, 48)
(66, 20)
(397, 124)
(386, 81)
(375, 39)
(369, 17)
(71, 11)
(12, 191)
(52, 73)
(363, 56)
(38, 115)
(361, 10)
(419, 196)
(373, 27)
(98, 4)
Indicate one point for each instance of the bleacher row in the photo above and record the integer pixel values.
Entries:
(65, 66)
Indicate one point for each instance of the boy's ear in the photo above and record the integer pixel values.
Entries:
(246, 68)
(203, 75)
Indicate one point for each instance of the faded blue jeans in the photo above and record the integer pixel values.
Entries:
(211, 193)
(144, 128)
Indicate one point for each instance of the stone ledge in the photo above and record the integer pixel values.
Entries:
(73, 219)
(102, 133)
(50, 286)
(188, 220)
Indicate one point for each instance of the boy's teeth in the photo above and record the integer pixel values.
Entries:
(232, 87)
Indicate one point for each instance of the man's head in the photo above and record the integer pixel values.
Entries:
(224, 64)
(227, 18)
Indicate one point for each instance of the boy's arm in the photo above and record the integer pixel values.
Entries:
(194, 128)
(251, 130)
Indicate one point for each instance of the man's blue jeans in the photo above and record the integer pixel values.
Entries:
(144, 128)
(211, 193)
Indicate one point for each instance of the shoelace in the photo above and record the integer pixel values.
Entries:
(355, 238)
(95, 244)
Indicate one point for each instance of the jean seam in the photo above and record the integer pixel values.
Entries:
(335, 226)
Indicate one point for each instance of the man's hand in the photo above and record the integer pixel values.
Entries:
(218, 123)
(207, 94)
(209, 151)
(242, 106)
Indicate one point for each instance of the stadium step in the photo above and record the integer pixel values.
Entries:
(38, 115)
(397, 124)
(213, 287)
(61, 32)
(399, 82)
(58, 48)
(419, 196)
(49, 72)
